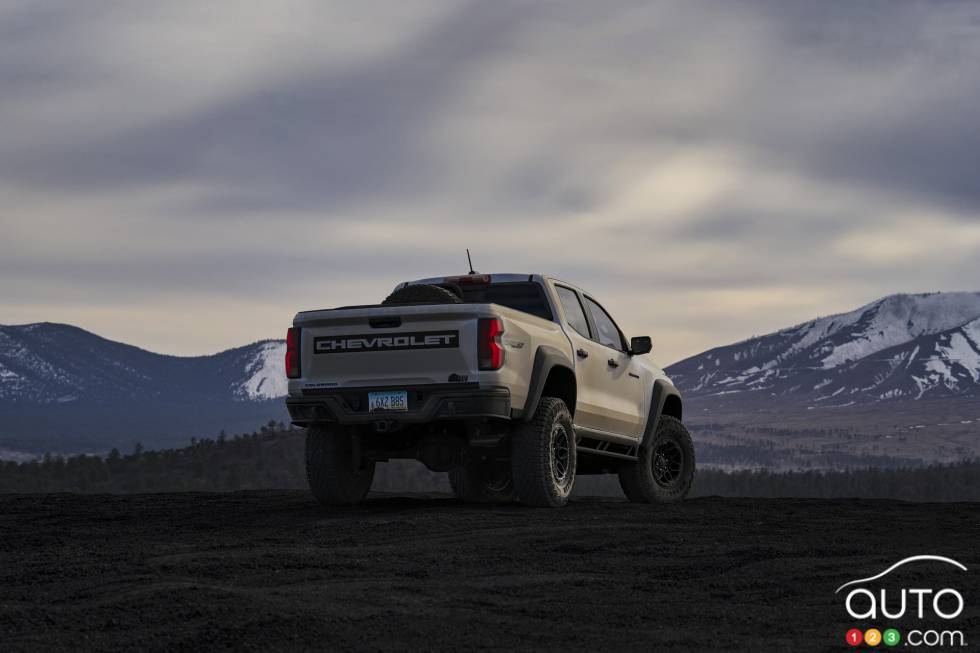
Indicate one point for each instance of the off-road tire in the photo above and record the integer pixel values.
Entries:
(665, 467)
(422, 293)
(534, 454)
(329, 467)
(471, 485)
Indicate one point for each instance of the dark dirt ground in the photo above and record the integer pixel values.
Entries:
(270, 570)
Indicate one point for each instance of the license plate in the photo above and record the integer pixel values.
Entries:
(390, 400)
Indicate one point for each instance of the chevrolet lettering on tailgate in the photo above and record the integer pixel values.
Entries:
(372, 342)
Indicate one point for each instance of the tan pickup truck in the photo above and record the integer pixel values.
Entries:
(511, 383)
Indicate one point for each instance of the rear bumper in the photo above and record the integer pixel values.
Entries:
(425, 404)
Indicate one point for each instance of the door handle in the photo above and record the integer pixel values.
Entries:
(582, 353)
(613, 363)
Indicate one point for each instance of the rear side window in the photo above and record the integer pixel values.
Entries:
(609, 334)
(574, 314)
(525, 296)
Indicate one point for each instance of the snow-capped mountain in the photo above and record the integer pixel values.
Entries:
(902, 346)
(63, 384)
(57, 363)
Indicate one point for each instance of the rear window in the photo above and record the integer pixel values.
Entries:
(525, 296)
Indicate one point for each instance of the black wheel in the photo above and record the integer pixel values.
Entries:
(330, 467)
(543, 456)
(422, 293)
(475, 483)
(665, 469)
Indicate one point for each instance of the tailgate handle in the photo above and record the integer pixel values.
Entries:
(385, 322)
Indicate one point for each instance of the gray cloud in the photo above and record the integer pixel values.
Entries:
(315, 140)
(683, 159)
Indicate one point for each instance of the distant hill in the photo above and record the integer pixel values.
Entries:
(65, 389)
(902, 347)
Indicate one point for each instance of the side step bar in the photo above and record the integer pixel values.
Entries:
(601, 443)
(580, 448)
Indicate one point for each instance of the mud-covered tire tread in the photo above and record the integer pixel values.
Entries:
(636, 479)
(531, 456)
(422, 293)
(468, 486)
(328, 468)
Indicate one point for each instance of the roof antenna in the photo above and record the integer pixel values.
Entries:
(470, 260)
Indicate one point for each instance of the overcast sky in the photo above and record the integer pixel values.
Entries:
(184, 176)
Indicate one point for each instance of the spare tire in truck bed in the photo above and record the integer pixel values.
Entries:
(422, 293)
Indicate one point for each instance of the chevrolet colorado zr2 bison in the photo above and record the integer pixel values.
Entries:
(511, 383)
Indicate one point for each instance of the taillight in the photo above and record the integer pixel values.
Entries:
(491, 353)
(292, 353)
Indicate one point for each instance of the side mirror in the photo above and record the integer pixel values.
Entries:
(640, 345)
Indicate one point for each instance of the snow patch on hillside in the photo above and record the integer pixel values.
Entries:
(960, 352)
(972, 331)
(896, 320)
(266, 374)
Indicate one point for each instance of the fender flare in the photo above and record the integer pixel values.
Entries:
(546, 358)
(661, 391)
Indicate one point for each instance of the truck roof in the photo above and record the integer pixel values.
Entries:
(507, 277)
(500, 277)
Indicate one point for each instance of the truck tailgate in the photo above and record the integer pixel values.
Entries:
(389, 346)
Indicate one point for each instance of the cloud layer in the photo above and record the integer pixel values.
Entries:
(185, 177)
